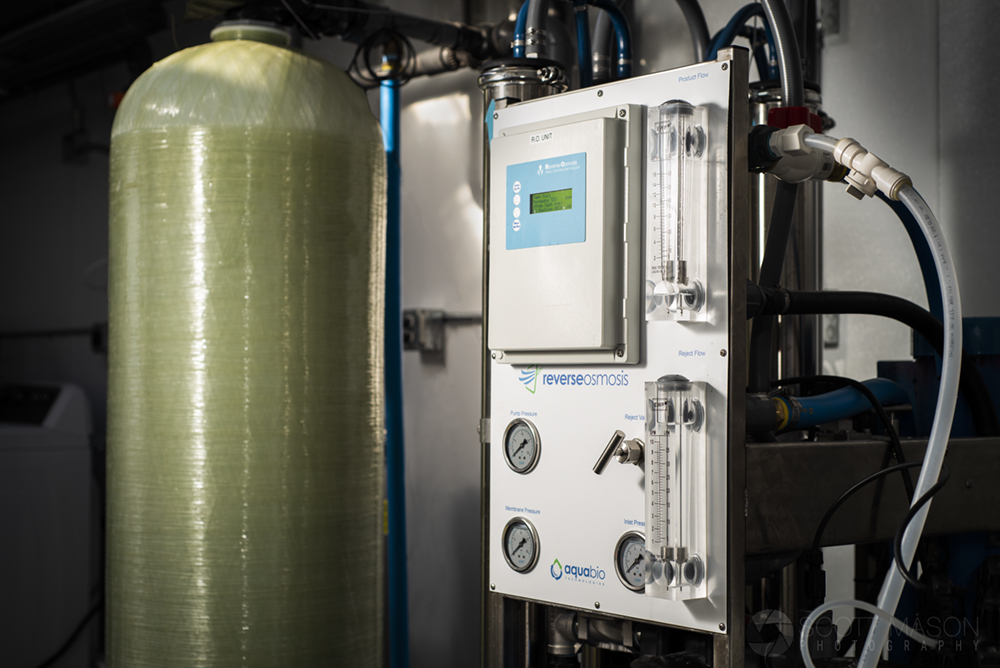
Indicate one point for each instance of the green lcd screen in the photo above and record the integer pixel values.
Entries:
(554, 200)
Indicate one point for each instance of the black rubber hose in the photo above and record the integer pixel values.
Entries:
(762, 334)
(778, 231)
(818, 537)
(697, 25)
(601, 43)
(972, 385)
(535, 38)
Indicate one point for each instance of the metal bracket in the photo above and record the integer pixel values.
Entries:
(423, 328)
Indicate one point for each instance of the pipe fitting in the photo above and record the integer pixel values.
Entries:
(868, 172)
(791, 141)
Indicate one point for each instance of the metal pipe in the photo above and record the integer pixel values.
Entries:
(399, 641)
(789, 65)
(355, 24)
(504, 84)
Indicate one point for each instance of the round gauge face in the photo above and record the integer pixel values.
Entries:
(520, 545)
(521, 446)
(630, 561)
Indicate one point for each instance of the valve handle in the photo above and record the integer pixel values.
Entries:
(609, 451)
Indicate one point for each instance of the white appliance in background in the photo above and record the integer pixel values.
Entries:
(48, 524)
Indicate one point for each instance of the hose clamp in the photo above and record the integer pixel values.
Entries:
(795, 410)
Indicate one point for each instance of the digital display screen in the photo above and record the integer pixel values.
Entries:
(554, 200)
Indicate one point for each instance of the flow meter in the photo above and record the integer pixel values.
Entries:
(676, 502)
(676, 212)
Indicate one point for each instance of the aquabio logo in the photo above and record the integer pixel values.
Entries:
(557, 570)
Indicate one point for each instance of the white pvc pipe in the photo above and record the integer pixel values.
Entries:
(820, 142)
(892, 587)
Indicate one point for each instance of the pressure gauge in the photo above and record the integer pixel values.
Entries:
(630, 560)
(521, 445)
(520, 545)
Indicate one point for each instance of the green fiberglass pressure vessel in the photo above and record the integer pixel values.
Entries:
(245, 426)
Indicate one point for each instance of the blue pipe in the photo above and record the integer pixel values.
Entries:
(924, 256)
(583, 56)
(399, 632)
(520, 28)
(843, 403)
(623, 35)
(728, 34)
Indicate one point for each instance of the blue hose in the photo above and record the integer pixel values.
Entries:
(924, 256)
(583, 43)
(399, 632)
(623, 35)
(727, 35)
(520, 28)
(843, 403)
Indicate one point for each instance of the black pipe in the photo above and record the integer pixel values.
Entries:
(778, 231)
(762, 301)
(602, 46)
(762, 334)
(355, 21)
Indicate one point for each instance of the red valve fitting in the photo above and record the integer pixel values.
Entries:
(786, 117)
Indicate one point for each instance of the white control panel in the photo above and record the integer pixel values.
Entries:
(559, 532)
(564, 238)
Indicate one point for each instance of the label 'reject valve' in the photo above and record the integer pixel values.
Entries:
(676, 495)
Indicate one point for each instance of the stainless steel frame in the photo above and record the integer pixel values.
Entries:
(786, 499)
(729, 642)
